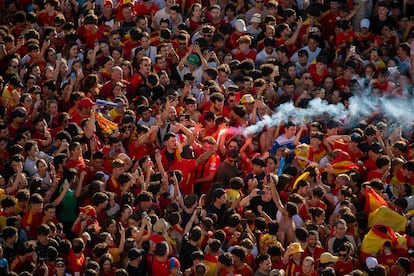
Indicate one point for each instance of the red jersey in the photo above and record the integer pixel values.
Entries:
(355, 156)
(159, 268)
(210, 166)
(317, 79)
(342, 268)
(328, 21)
(347, 37)
(188, 168)
(341, 83)
(75, 263)
(44, 19)
(293, 269)
(142, 9)
(240, 56)
(30, 222)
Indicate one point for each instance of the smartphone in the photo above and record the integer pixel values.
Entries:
(187, 117)
(352, 49)
(244, 223)
(268, 178)
(144, 214)
(59, 56)
(73, 76)
(313, 29)
(261, 192)
(196, 45)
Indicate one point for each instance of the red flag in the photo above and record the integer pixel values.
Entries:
(342, 163)
(373, 200)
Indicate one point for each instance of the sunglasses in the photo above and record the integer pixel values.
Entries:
(260, 2)
(233, 161)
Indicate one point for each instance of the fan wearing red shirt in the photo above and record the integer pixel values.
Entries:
(285, 37)
(383, 164)
(89, 32)
(113, 184)
(34, 216)
(346, 36)
(243, 51)
(319, 70)
(77, 260)
(85, 108)
(207, 170)
(349, 144)
(146, 8)
(47, 16)
(292, 258)
(160, 261)
(239, 254)
(346, 262)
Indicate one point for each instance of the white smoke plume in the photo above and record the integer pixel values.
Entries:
(363, 105)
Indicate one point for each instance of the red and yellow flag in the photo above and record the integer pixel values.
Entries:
(374, 240)
(373, 200)
(342, 163)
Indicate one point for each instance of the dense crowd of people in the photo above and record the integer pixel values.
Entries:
(124, 148)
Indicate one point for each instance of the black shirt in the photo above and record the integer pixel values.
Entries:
(269, 208)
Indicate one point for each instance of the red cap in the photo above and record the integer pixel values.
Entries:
(89, 210)
(86, 102)
(108, 3)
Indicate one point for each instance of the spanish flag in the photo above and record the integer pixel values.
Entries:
(373, 200)
(385, 216)
(376, 237)
(106, 125)
(342, 163)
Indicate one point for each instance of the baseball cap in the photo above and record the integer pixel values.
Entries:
(371, 263)
(193, 59)
(102, 174)
(288, 13)
(256, 18)
(108, 3)
(18, 112)
(332, 123)
(365, 23)
(327, 257)
(59, 261)
(404, 263)
(15, 81)
(134, 253)
(313, 11)
(86, 102)
(247, 98)
(376, 147)
(240, 25)
(174, 262)
(89, 210)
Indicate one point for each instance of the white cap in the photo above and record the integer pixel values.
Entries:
(256, 18)
(365, 23)
(240, 25)
(371, 263)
